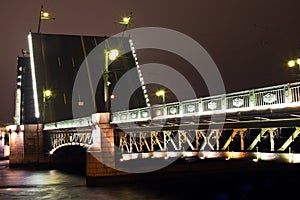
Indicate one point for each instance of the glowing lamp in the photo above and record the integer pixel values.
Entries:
(291, 63)
(47, 94)
(160, 93)
(126, 20)
(113, 54)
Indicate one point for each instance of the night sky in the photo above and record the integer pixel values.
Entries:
(250, 41)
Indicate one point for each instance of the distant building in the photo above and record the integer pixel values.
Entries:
(24, 109)
(53, 65)
(4, 143)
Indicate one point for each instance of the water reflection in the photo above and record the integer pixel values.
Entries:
(218, 180)
(55, 184)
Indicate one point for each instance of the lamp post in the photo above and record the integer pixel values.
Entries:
(43, 16)
(125, 21)
(161, 93)
(109, 55)
(47, 94)
(293, 63)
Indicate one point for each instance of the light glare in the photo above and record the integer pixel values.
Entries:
(126, 20)
(47, 93)
(160, 93)
(113, 54)
(291, 63)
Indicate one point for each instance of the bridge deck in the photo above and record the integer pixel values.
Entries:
(277, 102)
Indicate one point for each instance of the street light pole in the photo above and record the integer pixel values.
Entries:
(43, 15)
(46, 95)
(40, 19)
(125, 21)
(111, 55)
(161, 93)
(293, 63)
(106, 81)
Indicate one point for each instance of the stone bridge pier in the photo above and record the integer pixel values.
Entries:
(31, 145)
(101, 155)
(27, 146)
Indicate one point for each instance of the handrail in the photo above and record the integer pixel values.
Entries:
(271, 97)
(72, 123)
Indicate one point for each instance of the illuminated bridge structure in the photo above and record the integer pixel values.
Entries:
(256, 124)
(259, 123)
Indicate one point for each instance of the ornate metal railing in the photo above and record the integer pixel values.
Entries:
(72, 123)
(279, 96)
(69, 132)
(60, 138)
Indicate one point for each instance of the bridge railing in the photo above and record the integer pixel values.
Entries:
(279, 96)
(294, 92)
(72, 123)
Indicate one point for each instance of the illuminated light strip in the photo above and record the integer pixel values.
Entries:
(233, 120)
(294, 104)
(190, 154)
(294, 115)
(139, 72)
(15, 127)
(34, 88)
(18, 107)
(262, 118)
(268, 156)
(68, 144)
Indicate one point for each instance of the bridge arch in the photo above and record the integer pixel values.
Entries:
(83, 145)
(69, 158)
(63, 138)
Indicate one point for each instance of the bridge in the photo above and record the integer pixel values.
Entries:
(264, 119)
(256, 124)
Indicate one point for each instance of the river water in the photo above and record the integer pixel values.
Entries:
(55, 184)
(239, 183)
(29, 184)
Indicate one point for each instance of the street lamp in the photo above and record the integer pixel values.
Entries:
(109, 55)
(47, 94)
(43, 16)
(161, 93)
(293, 63)
(125, 21)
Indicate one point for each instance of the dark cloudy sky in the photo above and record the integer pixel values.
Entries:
(249, 40)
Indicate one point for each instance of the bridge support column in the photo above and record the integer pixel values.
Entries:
(101, 158)
(218, 135)
(272, 143)
(26, 146)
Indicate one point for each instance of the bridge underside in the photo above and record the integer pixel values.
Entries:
(70, 158)
(272, 131)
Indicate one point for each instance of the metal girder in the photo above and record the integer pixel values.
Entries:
(207, 138)
(234, 133)
(261, 134)
(290, 139)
